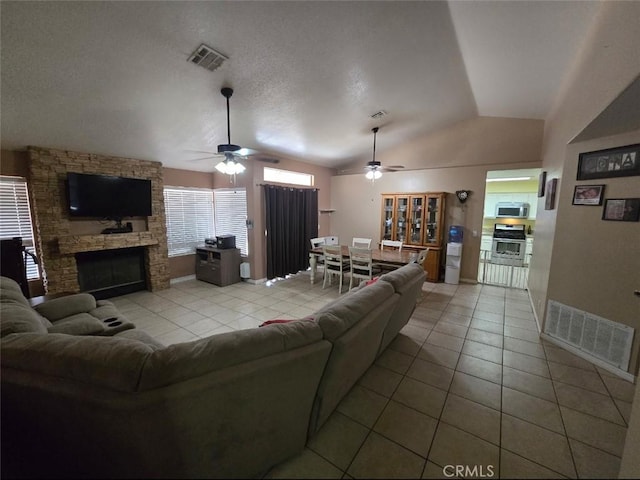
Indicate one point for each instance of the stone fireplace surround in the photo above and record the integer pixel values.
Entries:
(59, 237)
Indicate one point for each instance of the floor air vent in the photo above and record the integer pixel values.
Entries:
(596, 336)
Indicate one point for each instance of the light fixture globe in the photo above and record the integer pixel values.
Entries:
(373, 172)
(229, 166)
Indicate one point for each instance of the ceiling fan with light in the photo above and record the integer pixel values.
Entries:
(374, 169)
(230, 154)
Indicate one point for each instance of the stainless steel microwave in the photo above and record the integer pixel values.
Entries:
(512, 210)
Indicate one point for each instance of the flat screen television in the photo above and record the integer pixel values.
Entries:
(107, 196)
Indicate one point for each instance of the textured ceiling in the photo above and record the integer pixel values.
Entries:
(113, 77)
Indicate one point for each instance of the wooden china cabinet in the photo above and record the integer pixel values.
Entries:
(417, 220)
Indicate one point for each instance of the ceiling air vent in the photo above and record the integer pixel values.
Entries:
(379, 114)
(207, 57)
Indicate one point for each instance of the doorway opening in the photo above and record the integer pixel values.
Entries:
(508, 227)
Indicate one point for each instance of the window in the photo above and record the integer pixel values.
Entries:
(285, 176)
(189, 213)
(15, 217)
(231, 215)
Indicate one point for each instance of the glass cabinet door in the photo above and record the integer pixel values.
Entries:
(401, 226)
(432, 232)
(387, 218)
(416, 220)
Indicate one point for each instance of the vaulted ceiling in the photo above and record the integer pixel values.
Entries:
(113, 77)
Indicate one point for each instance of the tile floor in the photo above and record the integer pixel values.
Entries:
(467, 382)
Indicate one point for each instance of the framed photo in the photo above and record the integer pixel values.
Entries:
(588, 195)
(542, 179)
(613, 162)
(550, 194)
(621, 209)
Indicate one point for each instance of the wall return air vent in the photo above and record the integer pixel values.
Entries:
(207, 57)
(595, 336)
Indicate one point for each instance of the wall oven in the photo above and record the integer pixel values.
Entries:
(509, 245)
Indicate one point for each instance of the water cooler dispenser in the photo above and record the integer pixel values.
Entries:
(454, 255)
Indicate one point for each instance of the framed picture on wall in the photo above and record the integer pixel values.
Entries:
(610, 163)
(550, 194)
(621, 209)
(542, 180)
(588, 195)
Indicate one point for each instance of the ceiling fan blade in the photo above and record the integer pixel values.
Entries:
(211, 152)
(266, 159)
(393, 168)
(212, 156)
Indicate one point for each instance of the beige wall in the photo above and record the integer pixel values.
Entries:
(609, 62)
(14, 163)
(456, 158)
(596, 263)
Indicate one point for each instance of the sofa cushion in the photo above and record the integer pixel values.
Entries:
(110, 362)
(62, 307)
(402, 278)
(18, 318)
(10, 290)
(339, 316)
(105, 309)
(182, 361)
(141, 336)
(79, 324)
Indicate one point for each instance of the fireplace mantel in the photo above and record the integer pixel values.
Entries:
(70, 244)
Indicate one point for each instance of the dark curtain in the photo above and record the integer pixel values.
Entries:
(291, 221)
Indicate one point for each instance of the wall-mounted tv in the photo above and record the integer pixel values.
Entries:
(108, 197)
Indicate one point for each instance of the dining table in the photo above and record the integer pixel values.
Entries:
(386, 257)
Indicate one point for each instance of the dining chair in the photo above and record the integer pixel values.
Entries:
(397, 244)
(334, 265)
(360, 264)
(331, 240)
(361, 242)
(318, 242)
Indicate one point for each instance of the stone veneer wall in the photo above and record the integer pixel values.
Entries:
(54, 228)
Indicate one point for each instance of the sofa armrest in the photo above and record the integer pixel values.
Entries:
(63, 307)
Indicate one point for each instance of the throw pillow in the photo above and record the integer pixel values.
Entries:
(269, 322)
(372, 281)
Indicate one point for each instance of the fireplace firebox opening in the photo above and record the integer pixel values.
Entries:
(109, 273)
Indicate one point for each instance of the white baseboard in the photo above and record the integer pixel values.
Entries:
(589, 358)
(182, 279)
(254, 282)
(535, 315)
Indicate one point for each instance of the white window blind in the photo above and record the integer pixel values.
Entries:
(15, 217)
(189, 215)
(231, 215)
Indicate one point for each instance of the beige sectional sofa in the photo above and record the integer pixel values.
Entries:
(230, 405)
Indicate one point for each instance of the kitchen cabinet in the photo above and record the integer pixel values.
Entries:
(486, 243)
(417, 220)
(528, 249)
